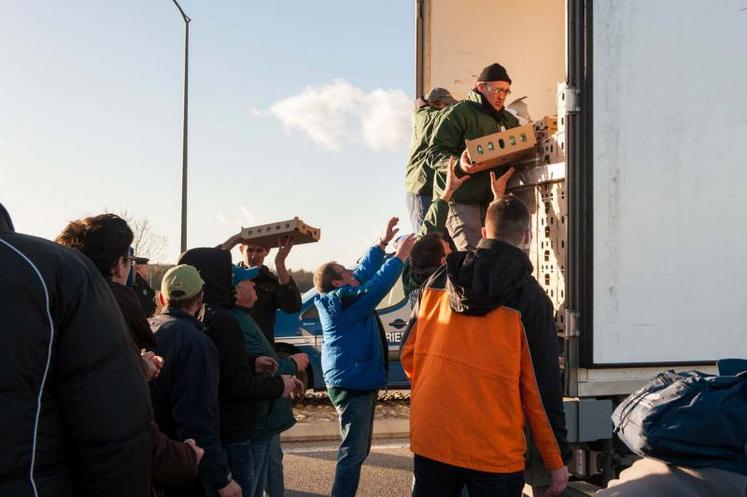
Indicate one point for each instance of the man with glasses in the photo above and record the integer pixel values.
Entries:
(482, 113)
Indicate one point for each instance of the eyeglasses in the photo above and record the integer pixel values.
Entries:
(496, 91)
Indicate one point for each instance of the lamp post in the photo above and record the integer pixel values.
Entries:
(184, 138)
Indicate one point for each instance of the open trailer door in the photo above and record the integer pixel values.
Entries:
(665, 172)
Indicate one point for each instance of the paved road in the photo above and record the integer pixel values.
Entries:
(309, 468)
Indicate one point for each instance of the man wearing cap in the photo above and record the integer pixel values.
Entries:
(274, 416)
(482, 113)
(273, 292)
(185, 394)
(418, 176)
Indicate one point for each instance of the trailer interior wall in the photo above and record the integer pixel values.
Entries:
(525, 36)
(670, 181)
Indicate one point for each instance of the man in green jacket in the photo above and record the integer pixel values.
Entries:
(482, 113)
(418, 176)
(273, 416)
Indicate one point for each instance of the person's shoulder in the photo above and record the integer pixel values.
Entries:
(64, 270)
(266, 274)
(511, 119)
(459, 108)
(533, 297)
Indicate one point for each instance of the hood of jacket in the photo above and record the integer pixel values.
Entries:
(6, 224)
(487, 278)
(214, 265)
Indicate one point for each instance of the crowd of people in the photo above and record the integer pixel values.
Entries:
(110, 398)
(104, 396)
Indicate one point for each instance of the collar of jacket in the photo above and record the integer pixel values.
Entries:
(182, 314)
(477, 98)
(486, 278)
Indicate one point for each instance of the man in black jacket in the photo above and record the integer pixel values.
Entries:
(273, 292)
(239, 387)
(106, 239)
(185, 395)
(75, 404)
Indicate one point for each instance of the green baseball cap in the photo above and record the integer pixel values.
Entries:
(181, 282)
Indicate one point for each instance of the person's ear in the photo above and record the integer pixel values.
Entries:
(484, 233)
(118, 270)
(336, 283)
(161, 299)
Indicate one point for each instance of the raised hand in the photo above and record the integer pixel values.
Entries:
(452, 181)
(498, 185)
(405, 247)
(390, 231)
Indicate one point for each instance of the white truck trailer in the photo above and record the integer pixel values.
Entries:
(639, 225)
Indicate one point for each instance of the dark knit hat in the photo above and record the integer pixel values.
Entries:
(494, 72)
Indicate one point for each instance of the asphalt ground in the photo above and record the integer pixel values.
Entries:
(310, 467)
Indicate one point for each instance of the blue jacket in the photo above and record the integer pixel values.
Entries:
(353, 352)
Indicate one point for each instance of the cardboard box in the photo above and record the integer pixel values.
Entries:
(269, 235)
(545, 127)
(502, 148)
(552, 149)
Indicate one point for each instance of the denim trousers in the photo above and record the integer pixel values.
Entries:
(417, 206)
(464, 223)
(275, 486)
(239, 455)
(260, 458)
(437, 479)
(356, 427)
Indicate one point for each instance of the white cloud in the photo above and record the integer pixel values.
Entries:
(239, 216)
(386, 119)
(339, 113)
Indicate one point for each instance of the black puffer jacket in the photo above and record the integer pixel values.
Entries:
(239, 388)
(71, 386)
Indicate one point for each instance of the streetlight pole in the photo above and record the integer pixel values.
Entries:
(184, 138)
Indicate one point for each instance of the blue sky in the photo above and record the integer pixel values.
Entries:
(296, 109)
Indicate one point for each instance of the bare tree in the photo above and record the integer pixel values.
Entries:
(147, 242)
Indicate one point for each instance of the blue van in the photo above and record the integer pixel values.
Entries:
(302, 332)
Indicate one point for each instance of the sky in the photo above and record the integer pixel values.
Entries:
(295, 109)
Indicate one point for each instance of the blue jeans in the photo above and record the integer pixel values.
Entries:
(356, 427)
(437, 479)
(418, 206)
(275, 486)
(239, 456)
(260, 457)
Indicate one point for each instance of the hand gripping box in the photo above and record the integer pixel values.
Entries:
(501, 148)
(269, 235)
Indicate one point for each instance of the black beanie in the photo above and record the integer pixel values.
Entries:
(5, 222)
(494, 72)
